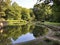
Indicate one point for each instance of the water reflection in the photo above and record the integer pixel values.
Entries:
(23, 38)
(22, 33)
(39, 31)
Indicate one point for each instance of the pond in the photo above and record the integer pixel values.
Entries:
(22, 33)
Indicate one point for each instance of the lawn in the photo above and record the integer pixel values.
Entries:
(16, 22)
(52, 23)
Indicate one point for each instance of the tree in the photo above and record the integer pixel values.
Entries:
(13, 12)
(47, 12)
(32, 16)
(57, 2)
(17, 11)
(25, 14)
(39, 11)
(3, 6)
(56, 11)
(42, 11)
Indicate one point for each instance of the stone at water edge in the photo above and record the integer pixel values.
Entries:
(1, 24)
(1, 31)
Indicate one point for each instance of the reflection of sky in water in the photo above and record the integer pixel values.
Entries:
(24, 38)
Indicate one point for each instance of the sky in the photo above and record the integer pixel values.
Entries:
(28, 3)
(25, 3)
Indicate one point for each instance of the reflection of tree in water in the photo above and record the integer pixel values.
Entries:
(4, 39)
(39, 31)
(14, 32)
(27, 28)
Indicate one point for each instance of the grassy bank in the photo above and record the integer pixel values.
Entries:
(52, 23)
(16, 22)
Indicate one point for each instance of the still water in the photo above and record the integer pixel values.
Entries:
(21, 33)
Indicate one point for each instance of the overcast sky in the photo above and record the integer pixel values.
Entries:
(25, 3)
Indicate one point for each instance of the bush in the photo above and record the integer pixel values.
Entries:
(47, 40)
(56, 43)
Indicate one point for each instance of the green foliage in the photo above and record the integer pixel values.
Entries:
(38, 11)
(56, 2)
(42, 11)
(56, 13)
(25, 14)
(15, 12)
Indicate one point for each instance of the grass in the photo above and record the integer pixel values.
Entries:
(16, 22)
(52, 23)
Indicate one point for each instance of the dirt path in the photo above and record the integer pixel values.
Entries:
(56, 28)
